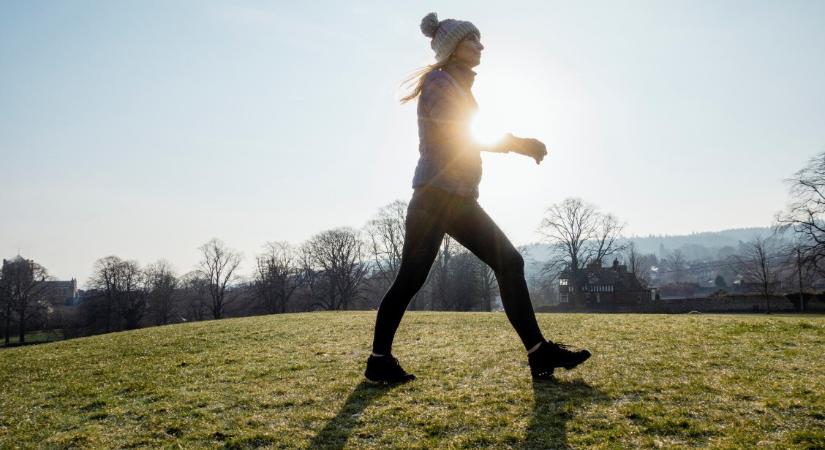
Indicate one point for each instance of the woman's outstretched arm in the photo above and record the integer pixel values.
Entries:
(498, 147)
(533, 148)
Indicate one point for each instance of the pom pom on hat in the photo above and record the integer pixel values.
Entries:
(446, 34)
(429, 25)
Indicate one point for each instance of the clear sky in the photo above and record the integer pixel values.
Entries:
(145, 128)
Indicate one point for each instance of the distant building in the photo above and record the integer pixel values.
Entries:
(597, 286)
(57, 293)
(62, 293)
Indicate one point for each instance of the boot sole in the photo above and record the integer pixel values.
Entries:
(545, 377)
(389, 381)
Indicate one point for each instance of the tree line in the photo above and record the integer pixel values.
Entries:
(338, 269)
(347, 268)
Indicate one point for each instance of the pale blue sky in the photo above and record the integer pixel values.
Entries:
(143, 128)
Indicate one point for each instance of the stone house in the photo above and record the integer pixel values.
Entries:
(602, 287)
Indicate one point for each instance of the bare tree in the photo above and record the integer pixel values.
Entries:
(122, 284)
(487, 285)
(645, 264)
(336, 260)
(386, 239)
(440, 272)
(195, 293)
(567, 227)
(638, 264)
(104, 281)
(632, 258)
(797, 269)
(133, 299)
(605, 239)
(802, 270)
(758, 265)
(162, 283)
(314, 285)
(277, 276)
(675, 264)
(23, 285)
(218, 265)
(463, 285)
(805, 214)
(577, 233)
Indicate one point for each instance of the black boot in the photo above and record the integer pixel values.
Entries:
(550, 355)
(385, 369)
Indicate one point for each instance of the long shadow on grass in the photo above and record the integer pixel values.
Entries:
(335, 433)
(554, 404)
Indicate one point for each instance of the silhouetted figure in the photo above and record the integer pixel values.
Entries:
(445, 201)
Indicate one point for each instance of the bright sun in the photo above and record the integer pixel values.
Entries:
(511, 102)
(485, 129)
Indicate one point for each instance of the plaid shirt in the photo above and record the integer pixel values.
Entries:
(450, 159)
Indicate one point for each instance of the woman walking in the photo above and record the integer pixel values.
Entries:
(445, 201)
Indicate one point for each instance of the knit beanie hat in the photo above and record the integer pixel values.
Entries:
(446, 34)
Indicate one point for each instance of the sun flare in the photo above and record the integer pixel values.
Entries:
(485, 130)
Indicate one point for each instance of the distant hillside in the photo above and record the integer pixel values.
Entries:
(694, 245)
(708, 239)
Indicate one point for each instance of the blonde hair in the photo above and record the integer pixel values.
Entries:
(415, 82)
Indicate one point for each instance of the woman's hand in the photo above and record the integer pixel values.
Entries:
(533, 148)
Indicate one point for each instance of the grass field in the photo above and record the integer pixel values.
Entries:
(34, 337)
(295, 381)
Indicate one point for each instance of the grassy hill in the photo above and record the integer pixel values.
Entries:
(295, 381)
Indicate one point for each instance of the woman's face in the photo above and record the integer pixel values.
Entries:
(468, 51)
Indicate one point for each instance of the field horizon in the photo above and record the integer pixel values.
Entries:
(296, 381)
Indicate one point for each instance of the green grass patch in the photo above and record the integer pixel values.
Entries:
(34, 337)
(295, 381)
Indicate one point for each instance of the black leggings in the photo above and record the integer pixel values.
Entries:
(431, 213)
